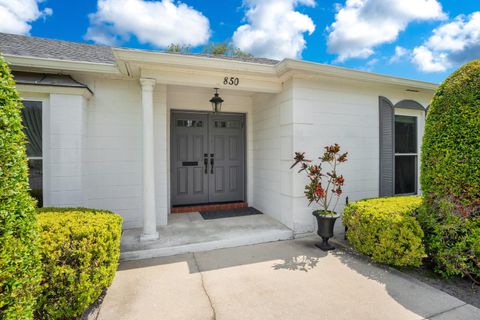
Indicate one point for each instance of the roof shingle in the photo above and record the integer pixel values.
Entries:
(26, 46)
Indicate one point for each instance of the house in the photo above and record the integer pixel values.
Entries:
(133, 131)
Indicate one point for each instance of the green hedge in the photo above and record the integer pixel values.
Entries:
(451, 175)
(19, 258)
(386, 230)
(80, 249)
(451, 142)
(452, 242)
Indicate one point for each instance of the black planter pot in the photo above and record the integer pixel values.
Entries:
(325, 222)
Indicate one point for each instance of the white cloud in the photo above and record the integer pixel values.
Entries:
(159, 23)
(451, 44)
(17, 15)
(400, 53)
(274, 29)
(361, 25)
(426, 61)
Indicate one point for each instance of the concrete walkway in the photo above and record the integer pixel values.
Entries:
(280, 280)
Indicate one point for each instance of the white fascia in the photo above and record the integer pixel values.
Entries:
(289, 66)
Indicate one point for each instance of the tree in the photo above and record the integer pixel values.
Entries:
(226, 49)
(178, 48)
(19, 258)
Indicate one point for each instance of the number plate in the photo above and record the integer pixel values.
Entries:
(231, 81)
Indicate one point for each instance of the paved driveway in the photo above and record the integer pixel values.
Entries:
(279, 280)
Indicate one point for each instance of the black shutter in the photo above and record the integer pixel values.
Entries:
(387, 152)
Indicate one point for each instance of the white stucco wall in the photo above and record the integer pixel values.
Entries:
(272, 137)
(305, 117)
(64, 155)
(94, 147)
(113, 149)
(344, 112)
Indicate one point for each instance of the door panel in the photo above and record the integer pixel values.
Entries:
(227, 146)
(189, 133)
(217, 139)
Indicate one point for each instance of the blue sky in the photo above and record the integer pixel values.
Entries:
(420, 39)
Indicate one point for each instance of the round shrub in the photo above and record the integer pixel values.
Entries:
(386, 230)
(80, 249)
(451, 174)
(451, 142)
(19, 260)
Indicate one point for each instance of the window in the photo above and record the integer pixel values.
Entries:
(190, 123)
(405, 155)
(32, 121)
(227, 124)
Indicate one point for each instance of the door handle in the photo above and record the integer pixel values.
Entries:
(205, 163)
(212, 162)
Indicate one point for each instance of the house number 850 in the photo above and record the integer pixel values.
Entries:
(231, 81)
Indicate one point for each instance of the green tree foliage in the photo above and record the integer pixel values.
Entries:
(19, 259)
(80, 250)
(451, 174)
(386, 230)
(178, 48)
(226, 49)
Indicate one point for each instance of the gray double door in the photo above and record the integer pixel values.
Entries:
(207, 158)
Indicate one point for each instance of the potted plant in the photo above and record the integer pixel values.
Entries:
(323, 189)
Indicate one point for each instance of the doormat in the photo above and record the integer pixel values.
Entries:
(229, 213)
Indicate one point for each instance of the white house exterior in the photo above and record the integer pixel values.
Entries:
(106, 125)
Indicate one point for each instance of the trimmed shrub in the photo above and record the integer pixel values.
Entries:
(19, 259)
(386, 230)
(451, 174)
(79, 250)
(452, 241)
(451, 143)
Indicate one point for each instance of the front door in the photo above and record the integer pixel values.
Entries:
(207, 158)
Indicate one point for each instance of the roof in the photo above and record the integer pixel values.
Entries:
(25, 46)
(61, 55)
(46, 79)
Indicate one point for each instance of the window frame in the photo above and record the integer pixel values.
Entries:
(45, 143)
(419, 116)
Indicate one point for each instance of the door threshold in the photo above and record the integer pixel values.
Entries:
(209, 207)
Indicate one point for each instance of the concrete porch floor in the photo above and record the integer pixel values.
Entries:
(189, 232)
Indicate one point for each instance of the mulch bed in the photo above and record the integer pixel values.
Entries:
(461, 288)
(94, 309)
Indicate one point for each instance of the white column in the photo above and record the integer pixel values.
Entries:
(149, 215)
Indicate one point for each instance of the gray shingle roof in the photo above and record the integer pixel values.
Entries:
(26, 46)
(18, 45)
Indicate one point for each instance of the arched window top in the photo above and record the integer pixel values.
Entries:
(409, 104)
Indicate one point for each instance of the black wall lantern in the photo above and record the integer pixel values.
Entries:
(216, 101)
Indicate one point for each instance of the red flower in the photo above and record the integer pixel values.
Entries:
(320, 192)
(340, 180)
(338, 191)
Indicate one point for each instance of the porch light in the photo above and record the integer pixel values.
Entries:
(216, 101)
